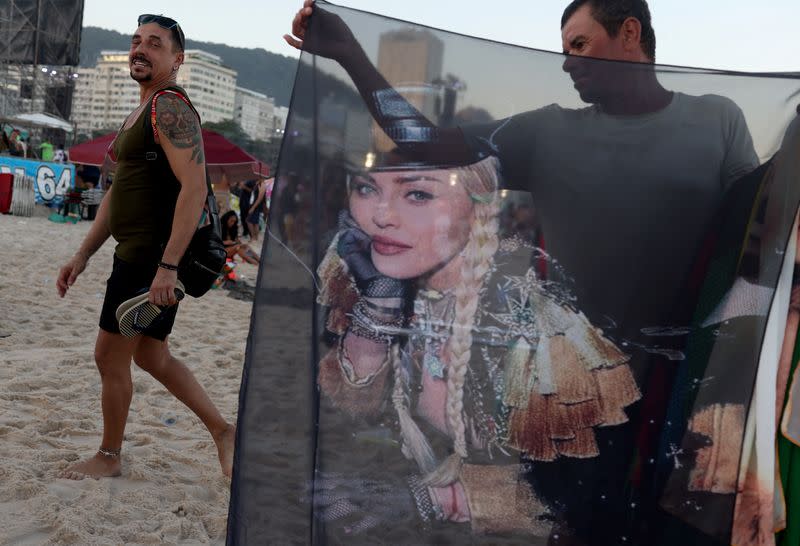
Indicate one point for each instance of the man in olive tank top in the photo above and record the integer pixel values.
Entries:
(152, 211)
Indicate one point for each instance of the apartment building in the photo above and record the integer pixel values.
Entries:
(281, 114)
(105, 94)
(210, 84)
(254, 112)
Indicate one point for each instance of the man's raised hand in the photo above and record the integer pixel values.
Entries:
(332, 37)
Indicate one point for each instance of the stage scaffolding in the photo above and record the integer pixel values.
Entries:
(39, 53)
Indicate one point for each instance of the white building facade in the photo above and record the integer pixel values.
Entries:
(280, 115)
(210, 85)
(105, 94)
(254, 112)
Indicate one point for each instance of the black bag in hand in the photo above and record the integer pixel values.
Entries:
(204, 259)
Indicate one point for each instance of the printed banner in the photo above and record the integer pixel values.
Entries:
(517, 297)
(51, 180)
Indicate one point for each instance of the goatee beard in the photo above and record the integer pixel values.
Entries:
(143, 78)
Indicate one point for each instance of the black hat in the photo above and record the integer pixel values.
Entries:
(418, 143)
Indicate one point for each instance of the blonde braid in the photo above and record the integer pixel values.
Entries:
(477, 261)
(415, 445)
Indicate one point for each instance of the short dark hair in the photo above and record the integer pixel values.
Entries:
(176, 32)
(178, 39)
(612, 13)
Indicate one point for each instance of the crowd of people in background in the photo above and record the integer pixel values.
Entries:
(250, 206)
(16, 143)
(242, 219)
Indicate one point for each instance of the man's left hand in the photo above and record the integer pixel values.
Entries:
(162, 289)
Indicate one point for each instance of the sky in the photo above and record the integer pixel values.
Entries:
(725, 34)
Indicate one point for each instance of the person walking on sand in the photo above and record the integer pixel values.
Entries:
(152, 211)
(256, 210)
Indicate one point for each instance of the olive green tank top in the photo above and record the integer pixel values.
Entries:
(144, 195)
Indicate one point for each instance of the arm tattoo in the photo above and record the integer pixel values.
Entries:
(178, 123)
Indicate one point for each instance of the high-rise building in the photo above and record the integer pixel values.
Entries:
(210, 84)
(280, 115)
(411, 61)
(106, 94)
(83, 115)
(254, 112)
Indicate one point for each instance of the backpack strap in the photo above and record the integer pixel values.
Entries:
(151, 127)
(152, 151)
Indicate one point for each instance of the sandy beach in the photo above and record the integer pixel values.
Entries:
(171, 490)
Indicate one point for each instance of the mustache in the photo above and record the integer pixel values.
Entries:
(139, 58)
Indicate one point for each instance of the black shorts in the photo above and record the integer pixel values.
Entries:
(126, 281)
(254, 217)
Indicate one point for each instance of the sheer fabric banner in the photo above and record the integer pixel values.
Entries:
(513, 297)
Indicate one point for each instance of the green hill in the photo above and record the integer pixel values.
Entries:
(258, 69)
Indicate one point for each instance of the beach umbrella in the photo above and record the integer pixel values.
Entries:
(219, 152)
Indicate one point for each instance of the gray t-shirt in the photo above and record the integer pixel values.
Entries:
(624, 202)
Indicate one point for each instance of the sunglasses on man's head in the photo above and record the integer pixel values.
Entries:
(167, 23)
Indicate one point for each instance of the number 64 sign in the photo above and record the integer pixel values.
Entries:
(51, 179)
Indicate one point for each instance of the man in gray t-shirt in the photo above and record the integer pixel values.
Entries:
(597, 179)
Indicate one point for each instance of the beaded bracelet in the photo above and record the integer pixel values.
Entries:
(427, 509)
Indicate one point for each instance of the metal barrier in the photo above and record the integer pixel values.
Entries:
(23, 197)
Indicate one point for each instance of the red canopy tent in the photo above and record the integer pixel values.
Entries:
(222, 156)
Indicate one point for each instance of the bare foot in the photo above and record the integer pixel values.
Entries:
(99, 466)
(225, 441)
